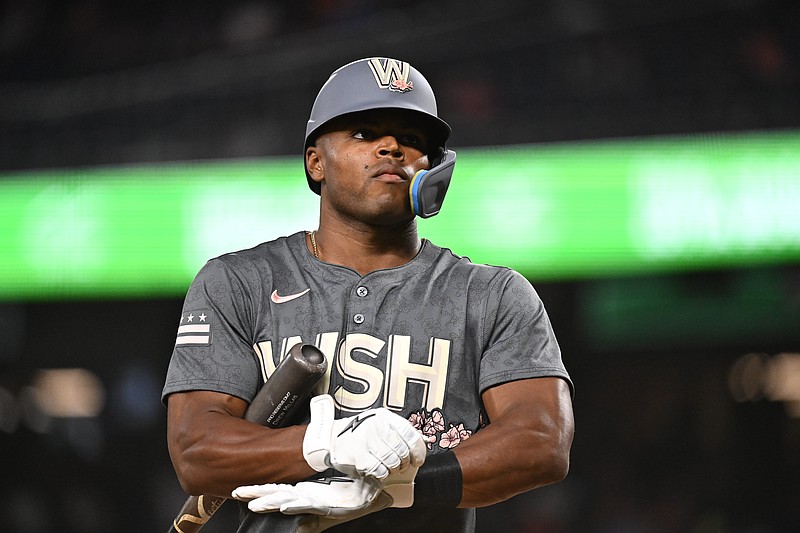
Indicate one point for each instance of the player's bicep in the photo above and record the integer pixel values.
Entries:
(190, 416)
(544, 402)
(538, 412)
(198, 402)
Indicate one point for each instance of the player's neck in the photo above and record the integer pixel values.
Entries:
(365, 249)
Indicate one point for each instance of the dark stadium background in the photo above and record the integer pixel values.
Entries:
(661, 444)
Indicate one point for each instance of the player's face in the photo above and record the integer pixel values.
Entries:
(365, 162)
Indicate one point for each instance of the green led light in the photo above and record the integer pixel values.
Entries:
(555, 211)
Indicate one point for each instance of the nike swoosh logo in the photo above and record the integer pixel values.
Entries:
(283, 299)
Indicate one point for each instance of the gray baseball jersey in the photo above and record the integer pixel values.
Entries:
(424, 339)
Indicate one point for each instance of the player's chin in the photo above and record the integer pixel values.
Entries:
(390, 211)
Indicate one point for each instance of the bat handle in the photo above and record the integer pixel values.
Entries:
(195, 513)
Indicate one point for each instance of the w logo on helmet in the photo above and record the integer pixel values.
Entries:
(391, 74)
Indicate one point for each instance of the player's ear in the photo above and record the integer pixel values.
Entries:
(314, 164)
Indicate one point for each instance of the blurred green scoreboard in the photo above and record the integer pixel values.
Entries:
(555, 211)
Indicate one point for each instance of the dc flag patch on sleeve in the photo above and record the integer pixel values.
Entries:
(194, 329)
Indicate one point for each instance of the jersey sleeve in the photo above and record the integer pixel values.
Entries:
(519, 340)
(213, 346)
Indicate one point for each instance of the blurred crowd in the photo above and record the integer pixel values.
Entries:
(87, 82)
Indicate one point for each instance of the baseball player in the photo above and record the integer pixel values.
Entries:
(446, 390)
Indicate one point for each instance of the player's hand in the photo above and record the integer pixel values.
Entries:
(374, 443)
(327, 501)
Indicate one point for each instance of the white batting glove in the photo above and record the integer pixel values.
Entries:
(325, 502)
(330, 496)
(374, 443)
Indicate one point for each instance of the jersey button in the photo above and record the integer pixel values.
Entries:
(358, 318)
(362, 291)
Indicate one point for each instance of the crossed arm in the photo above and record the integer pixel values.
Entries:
(526, 444)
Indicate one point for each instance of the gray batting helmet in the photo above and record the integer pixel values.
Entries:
(376, 83)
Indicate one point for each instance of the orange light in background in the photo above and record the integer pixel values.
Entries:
(756, 376)
(783, 381)
(68, 393)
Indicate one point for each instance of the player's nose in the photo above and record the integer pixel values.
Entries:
(388, 146)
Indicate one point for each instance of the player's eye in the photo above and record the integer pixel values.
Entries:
(410, 139)
(363, 134)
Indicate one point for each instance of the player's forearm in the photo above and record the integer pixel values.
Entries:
(233, 452)
(214, 450)
(498, 465)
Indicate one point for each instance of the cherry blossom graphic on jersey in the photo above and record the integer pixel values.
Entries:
(435, 430)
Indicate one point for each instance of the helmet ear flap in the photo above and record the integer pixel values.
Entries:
(428, 187)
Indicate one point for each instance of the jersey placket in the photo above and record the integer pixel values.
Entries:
(359, 316)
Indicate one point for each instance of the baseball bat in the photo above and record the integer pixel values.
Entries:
(273, 406)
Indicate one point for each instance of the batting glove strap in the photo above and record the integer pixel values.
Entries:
(400, 484)
(317, 440)
(402, 494)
